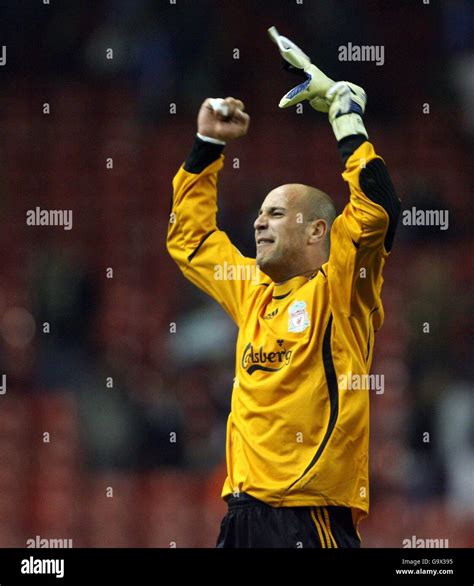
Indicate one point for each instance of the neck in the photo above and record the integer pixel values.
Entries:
(308, 274)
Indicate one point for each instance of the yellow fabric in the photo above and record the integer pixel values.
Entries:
(281, 399)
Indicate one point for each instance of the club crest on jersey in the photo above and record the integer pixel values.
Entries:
(298, 319)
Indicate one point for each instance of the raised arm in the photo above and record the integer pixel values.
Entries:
(204, 253)
(362, 236)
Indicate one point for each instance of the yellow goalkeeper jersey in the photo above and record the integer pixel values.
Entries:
(297, 434)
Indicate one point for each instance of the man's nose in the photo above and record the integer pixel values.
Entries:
(260, 223)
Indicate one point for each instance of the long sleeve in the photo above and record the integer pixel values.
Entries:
(205, 254)
(362, 236)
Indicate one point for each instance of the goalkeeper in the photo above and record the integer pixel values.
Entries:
(297, 440)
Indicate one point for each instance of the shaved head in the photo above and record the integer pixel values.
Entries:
(314, 203)
(292, 230)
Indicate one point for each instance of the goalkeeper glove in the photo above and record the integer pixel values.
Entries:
(315, 86)
(344, 101)
(346, 107)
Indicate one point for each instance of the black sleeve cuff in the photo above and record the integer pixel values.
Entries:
(348, 145)
(202, 155)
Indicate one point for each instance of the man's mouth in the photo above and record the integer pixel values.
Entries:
(262, 241)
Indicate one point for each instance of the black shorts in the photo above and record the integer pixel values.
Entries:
(252, 523)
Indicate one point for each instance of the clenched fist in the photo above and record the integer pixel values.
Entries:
(215, 125)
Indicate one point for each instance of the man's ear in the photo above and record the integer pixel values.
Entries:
(317, 233)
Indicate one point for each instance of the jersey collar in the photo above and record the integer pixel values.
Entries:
(282, 290)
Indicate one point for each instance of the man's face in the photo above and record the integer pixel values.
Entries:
(279, 236)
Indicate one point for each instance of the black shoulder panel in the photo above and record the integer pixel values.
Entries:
(375, 182)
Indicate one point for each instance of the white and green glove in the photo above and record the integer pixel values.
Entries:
(346, 107)
(317, 83)
(344, 101)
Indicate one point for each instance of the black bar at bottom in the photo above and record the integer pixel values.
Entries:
(160, 567)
